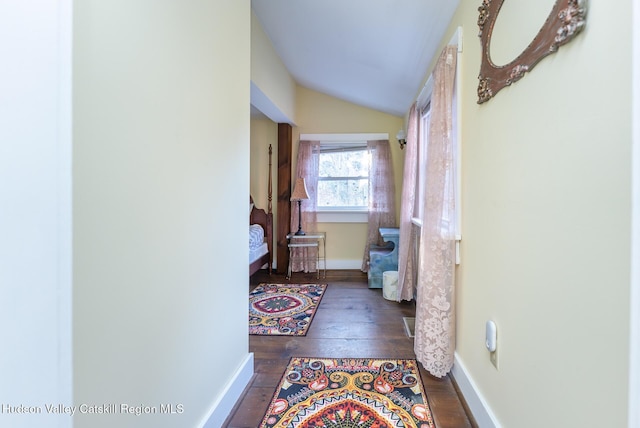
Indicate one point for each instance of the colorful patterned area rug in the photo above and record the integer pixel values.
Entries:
(283, 309)
(349, 393)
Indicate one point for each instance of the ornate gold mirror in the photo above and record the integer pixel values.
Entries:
(564, 22)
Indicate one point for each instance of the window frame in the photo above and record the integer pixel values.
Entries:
(344, 214)
(423, 140)
(341, 147)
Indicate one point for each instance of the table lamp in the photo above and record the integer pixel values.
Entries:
(299, 193)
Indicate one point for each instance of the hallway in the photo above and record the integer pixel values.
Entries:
(352, 321)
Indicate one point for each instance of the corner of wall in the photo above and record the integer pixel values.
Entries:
(221, 408)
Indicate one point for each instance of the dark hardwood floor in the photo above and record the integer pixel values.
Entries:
(351, 321)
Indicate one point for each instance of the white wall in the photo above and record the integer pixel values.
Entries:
(35, 210)
(161, 178)
(634, 359)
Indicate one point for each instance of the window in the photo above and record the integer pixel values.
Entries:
(421, 181)
(343, 177)
(451, 177)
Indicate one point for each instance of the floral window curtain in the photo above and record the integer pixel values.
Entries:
(304, 259)
(435, 306)
(406, 255)
(382, 211)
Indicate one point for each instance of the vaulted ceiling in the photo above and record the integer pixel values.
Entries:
(373, 53)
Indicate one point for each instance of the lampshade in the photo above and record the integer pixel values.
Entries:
(401, 135)
(299, 190)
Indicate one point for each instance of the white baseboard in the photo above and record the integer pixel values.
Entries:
(478, 406)
(343, 264)
(222, 407)
(336, 265)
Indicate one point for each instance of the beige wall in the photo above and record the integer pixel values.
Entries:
(161, 126)
(270, 77)
(322, 114)
(546, 226)
(316, 114)
(264, 132)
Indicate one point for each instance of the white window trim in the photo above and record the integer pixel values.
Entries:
(336, 215)
(326, 216)
(344, 138)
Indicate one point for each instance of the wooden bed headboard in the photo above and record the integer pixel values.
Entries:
(264, 219)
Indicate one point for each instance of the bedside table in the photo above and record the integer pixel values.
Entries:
(309, 240)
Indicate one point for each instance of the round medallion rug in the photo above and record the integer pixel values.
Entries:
(283, 309)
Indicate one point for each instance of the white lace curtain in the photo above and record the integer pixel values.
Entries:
(435, 306)
(382, 211)
(304, 259)
(406, 253)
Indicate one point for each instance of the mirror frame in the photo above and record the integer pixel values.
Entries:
(566, 20)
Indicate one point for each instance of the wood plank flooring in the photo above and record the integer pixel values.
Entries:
(351, 321)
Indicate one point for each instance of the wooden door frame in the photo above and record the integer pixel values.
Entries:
(285, 147)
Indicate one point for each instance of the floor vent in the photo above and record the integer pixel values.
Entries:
(409, 326)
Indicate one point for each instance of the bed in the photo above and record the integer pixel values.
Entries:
(260, 238)
(261, 233)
